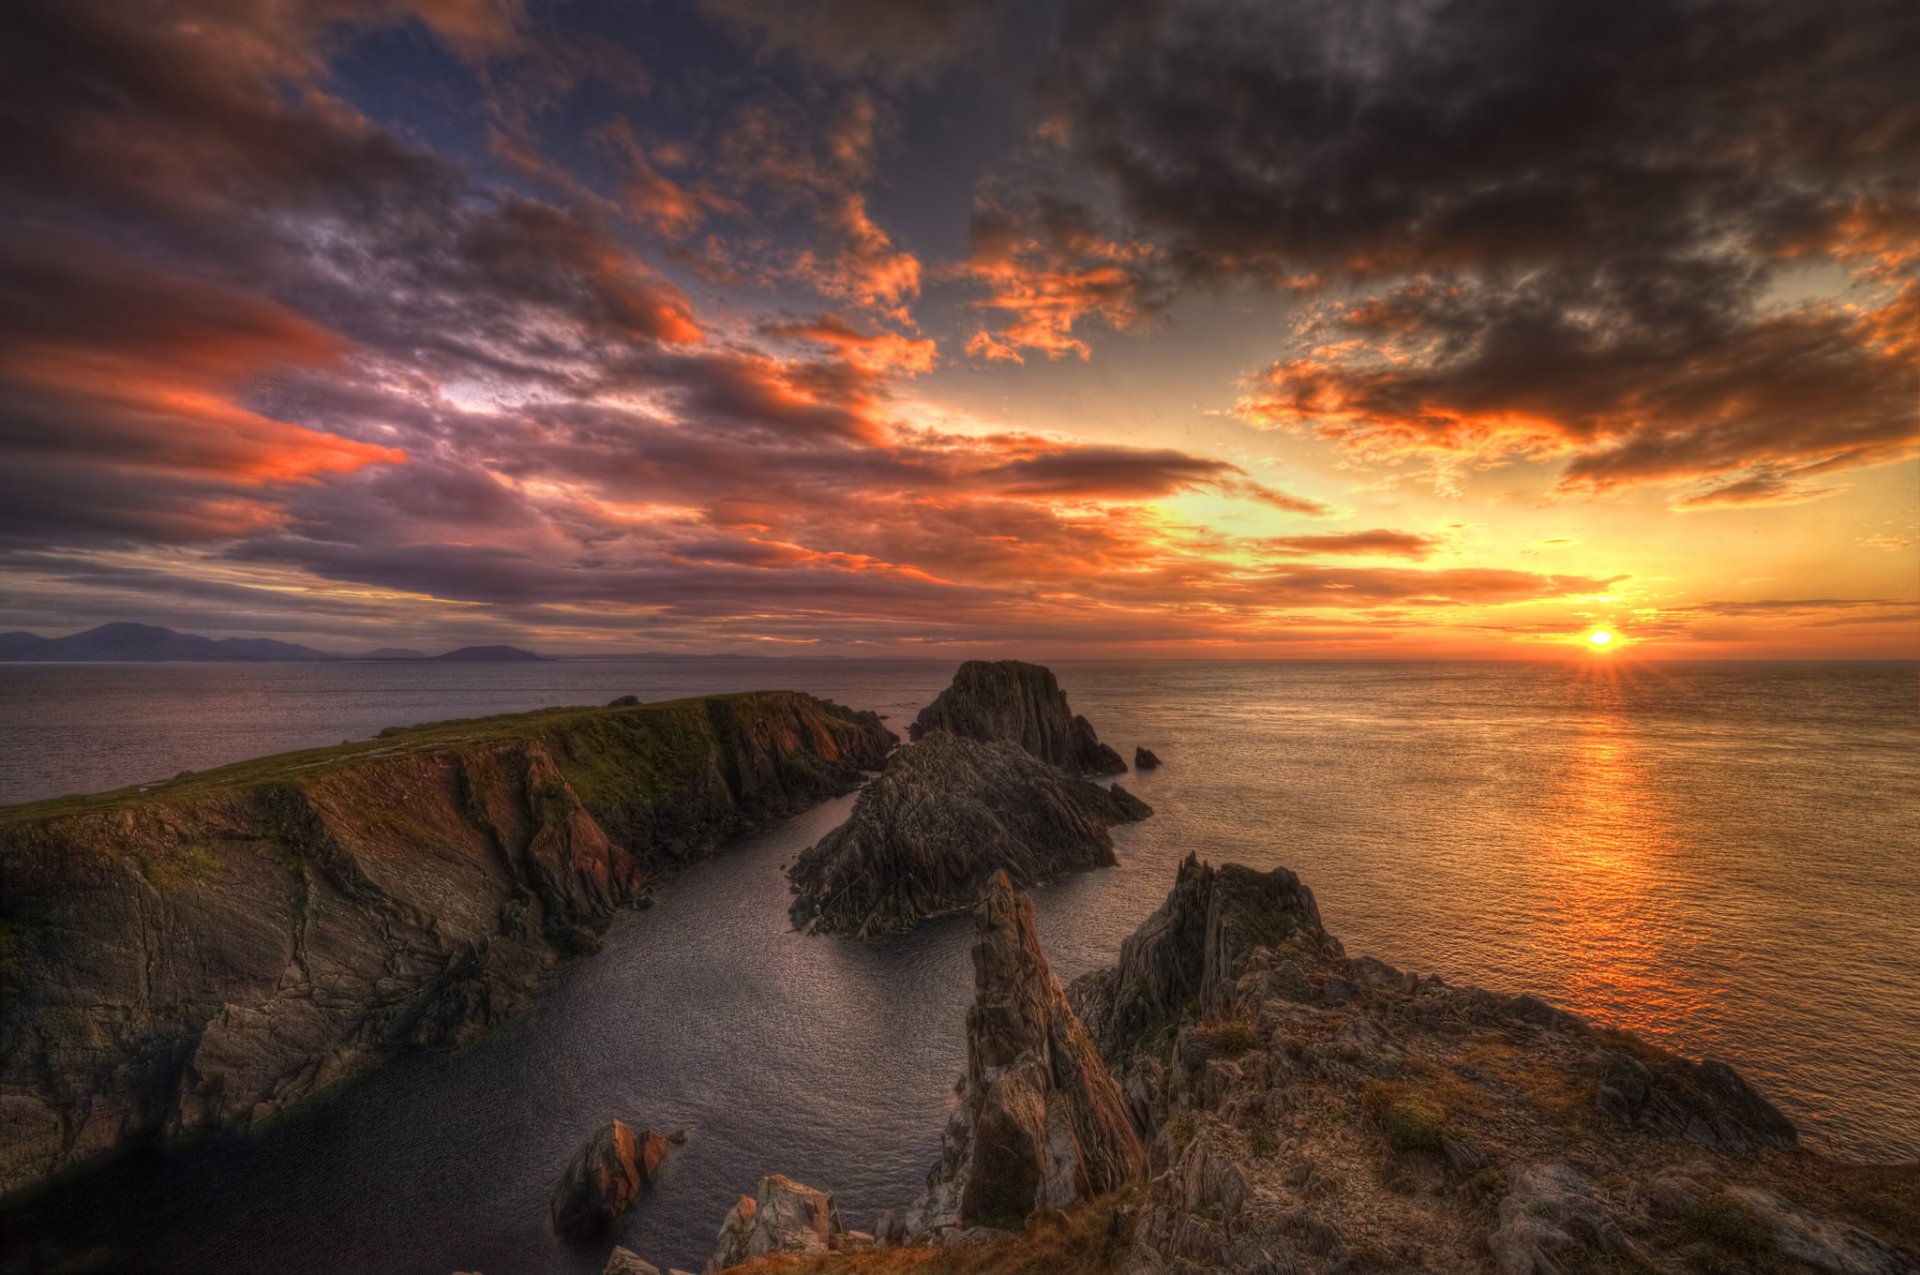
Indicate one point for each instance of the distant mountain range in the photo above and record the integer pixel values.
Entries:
(148, 643)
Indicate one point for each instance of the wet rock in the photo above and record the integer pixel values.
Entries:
(603, 1179)
(785, 1217)
(947, 814)
(624, 1261)
(1040, 1123)
(1707, 1103)
(1144, 759)
(1022, 704)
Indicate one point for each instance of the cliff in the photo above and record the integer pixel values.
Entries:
(948, 813)
(1022, 703)
(205, 953)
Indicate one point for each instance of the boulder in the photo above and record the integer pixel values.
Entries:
(603, 1180)
(1552, 1219)
(1707, 1103)
(1040, 1122)
(945, 815)
(1143, 759)
(1022, 704)
(785, 1217)
(624, 1261)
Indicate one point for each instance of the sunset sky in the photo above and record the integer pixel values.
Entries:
(1322, 328)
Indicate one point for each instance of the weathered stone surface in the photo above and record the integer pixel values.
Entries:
(211, 951)
(1144, 759)
(1040, 1122)
(1551, 1220)
(624, 1261)
(785, 1217)
(947, 814)
(1194, 948)
(604, 1178)
(1706, 1103)
(1023, 704)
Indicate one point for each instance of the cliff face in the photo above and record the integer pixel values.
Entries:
(208, 952)
(1040, 1123)
(1007, 699)
(947, 814)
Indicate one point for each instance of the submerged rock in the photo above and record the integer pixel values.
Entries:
(1041, 1123)
(1144, 759)
(947, 814)
(603, 1180)
(1022, 703)
(785, 1217)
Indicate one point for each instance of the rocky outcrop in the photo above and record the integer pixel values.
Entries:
(1190, 953)
(1706, 1103)
(1144, 759)
(785, 1217)
(603, 1179)
(948, 813)
(1040, 1123)
(1021, 703)
(204, 953)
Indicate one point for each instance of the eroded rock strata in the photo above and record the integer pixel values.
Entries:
(1022, 703)
(1040, 1123)
(611, 1170)
(948, 813)
(207, 952)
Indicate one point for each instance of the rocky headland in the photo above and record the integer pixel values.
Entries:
(1022, 703)
(947, 814)
(1291, 1110)
(204, 953)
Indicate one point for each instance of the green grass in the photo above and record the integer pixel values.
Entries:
(551, 725)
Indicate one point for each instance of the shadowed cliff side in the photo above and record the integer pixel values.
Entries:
(928, 835)
(1023, 703)
(205, 953)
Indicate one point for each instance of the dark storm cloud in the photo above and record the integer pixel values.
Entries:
(1571, 225)
(886, 38)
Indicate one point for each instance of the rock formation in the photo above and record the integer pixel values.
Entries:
(786, 1217)
(1040, 1123)
(204, 953)
(603, 1180)
(947, 814)
(1007, 699)
(1144, 759)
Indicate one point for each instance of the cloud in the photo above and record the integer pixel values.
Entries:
(893, 41)
(1379, 542)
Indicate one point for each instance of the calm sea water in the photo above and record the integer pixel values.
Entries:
(1719, 856)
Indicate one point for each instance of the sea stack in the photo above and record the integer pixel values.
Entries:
(1012, 700)
(603, 1180)
(1144, 759)
(1040, 1124)
(946, 815)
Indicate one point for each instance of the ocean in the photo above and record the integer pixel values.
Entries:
(1723, 857)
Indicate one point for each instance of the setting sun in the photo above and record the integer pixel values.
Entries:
(1600, 638)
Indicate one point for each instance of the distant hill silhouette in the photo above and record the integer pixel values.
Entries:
(489, 655)
(149, 643)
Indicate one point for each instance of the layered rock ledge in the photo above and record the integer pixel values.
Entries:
(205, 953)
(1010, 700)
(948, 813)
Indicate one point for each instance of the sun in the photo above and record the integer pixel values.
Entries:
(1600, 639)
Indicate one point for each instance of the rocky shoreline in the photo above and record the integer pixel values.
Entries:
(206, 953)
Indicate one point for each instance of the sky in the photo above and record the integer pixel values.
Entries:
(1315, 328)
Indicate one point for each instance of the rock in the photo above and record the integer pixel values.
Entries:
(786, 1217)
(1023, 704)
(624, 1261)
(947, 814)
(1706, 1103)
(889, 1229)
(1197, 944)
(625, 701)
(206, 955)
(1040, 1122)
(1551, 1220)
(1143, 759)
(603, 1180)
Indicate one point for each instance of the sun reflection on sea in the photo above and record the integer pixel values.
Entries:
(1609, 846)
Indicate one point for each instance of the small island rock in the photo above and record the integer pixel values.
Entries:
(1144, 759)
(1022, 703)
(604, 1178)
